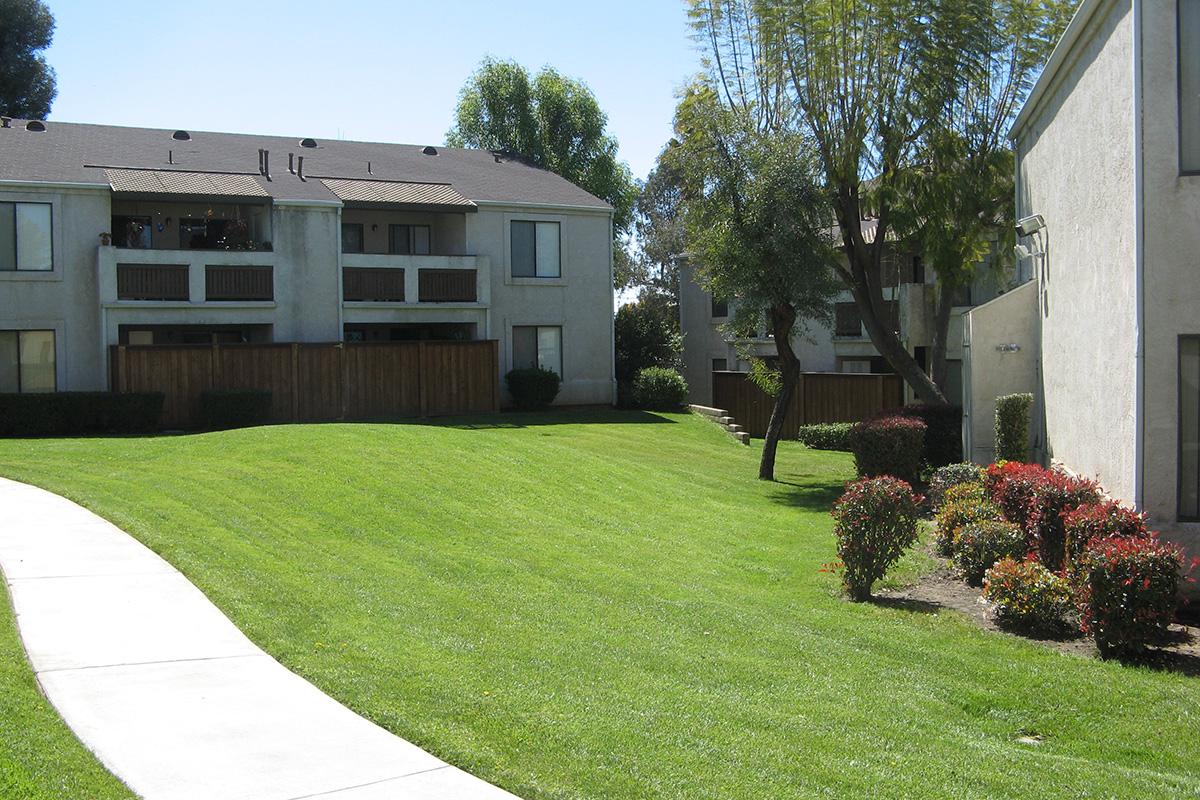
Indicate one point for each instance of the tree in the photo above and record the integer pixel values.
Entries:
(757, 227)
(872, 82)
(658, 224)
(27, 85)
(647, 335)
(554, 123)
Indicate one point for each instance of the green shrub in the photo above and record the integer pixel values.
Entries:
(962, 505)
(533, 388)
(982, 543)
(1011, 486)
(952, 475)
(889, 446)
(1130, 593)
(234, 408)
(660, 389)
(826, 436)
(876, 521)
(1012, 426)
(1054, 496)
(1026, 596)
(943, 431)
(1095, 521)
(77, 413)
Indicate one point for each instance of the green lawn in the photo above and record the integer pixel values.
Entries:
(610, 605)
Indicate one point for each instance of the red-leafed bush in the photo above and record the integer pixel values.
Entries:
(1010, 483)
(1094, 521)
(876, 521)
(1054, 496)
(1026, 596)
(1130, 592)
(889, 446)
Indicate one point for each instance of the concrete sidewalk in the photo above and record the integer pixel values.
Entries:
(170, 696)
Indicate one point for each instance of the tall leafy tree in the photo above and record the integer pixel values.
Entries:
(659, 226)
(27, 83)
(757, 225)
(553, 122)
(874, 84)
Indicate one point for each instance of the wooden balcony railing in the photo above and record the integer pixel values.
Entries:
(447, 285)
(381, 285)
(239, 283)
(152, 282)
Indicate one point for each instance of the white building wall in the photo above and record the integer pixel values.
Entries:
(1075, 168)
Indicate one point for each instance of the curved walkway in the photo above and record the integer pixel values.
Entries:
(170, 696)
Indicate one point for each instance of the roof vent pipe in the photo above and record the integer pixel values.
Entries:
(267, 164)
(369, 168)
(260, 161)
(292, 163)
(170, 157)
(300, 168)
(5, 122)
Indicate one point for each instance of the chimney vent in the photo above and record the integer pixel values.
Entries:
(266, 170)
(307, 142)
(292, 163)
(300, 168)
(429, 150)
(181, 136)
(5, 122)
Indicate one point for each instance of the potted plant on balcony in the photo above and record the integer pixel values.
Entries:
(105, 239)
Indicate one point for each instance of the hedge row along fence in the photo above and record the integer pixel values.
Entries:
(79, 413)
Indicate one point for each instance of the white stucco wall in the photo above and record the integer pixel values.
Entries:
(1075, 168)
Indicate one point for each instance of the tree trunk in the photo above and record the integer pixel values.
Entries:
(783, 320)
(943, 305)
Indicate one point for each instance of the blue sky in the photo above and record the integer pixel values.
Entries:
(375, 71)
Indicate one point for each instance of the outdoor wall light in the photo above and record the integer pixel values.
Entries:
(1028, 226)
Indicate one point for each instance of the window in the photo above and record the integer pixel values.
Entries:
(25, 237)
(27, 361)
(720, 308)
(408, 240)
(847, 321)
(918, 269)
(1189, 85)
(720, 364)
(535, 247)
(1189, 427)
(537, 346)
(352, 237)
(856, 366)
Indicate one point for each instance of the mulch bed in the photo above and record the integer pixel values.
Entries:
(943, 589)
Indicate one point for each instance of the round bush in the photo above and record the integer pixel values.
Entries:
(1052, 497)
(952, 475)
(826, 436)
(1026, 596)
(660, 389)
(1094, 521)
(981, 544)
(876, 521)
(532, 388)
(1011, 484)
(962, 505)
(1130, 593)
(889, 446)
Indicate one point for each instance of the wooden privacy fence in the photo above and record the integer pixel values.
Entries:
(317, 382)
(820, 397)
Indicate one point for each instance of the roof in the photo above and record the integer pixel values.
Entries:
(68, 152)
(179, 182)
(1062, 51)
(398, 193)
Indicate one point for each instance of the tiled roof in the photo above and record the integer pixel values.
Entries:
(178, 182)
(80, 153)
(397, 193)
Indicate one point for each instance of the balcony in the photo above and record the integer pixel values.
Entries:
(144, 277)
(463, 281)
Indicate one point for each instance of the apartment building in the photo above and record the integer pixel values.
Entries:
(134, 236)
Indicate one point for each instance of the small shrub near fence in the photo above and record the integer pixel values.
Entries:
(889, 446)
(1012, 427)
(660, 389)
(533, 388)
(876, 521)
(1130, 592)
(963, 504)
(234, 408)
(943, 431)
(952, 475)
(981, 544)
(1026, 596)
(826, 436)
(77, 413)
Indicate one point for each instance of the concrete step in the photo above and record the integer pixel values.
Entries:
(709, 412)
(725, 420)
(742, 437)
(732, 428)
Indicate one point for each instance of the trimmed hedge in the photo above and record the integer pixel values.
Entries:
(943, 431)
(1130, 593)
(1092, 522)
(1011, 485)
(889, 446)
(660, 389)
(76, 413)
(1012, 426)
(533, 388)
(827, 436)
(981, 544)
(1055, 495)
(876, 521)
(964, 504)
(1026, 596)
(952, 475)
(234, 408)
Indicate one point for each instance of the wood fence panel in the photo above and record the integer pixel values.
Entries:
(458, 380)
(382, 380)
(263, 367)
(319, 383)
(180, 373)
(819, 397)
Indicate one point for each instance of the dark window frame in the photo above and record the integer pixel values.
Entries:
(843, 331)
(16, 238)
(1179, 89)
(719, 308)
(362, 238)
(53, 338)
(536, 330)
(411, 241)
(512, 260)
(1180, 516)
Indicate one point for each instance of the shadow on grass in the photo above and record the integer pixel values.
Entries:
(812, 495)
(907, 604)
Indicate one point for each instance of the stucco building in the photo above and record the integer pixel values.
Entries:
(1108, 186)
(135, 236)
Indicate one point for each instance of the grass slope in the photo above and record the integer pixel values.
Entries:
(610, 605)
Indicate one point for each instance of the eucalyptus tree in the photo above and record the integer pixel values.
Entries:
(882, 88)
(757, 228)
(27, 82)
